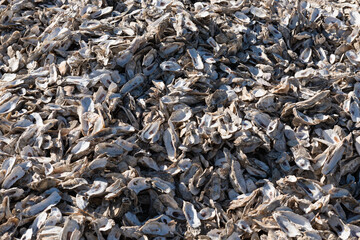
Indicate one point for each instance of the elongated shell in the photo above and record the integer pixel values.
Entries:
(191, 215)
(196, 59)
(48, 202)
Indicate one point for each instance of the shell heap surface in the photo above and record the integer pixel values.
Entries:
(165, 119)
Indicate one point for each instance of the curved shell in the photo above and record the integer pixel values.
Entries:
(191, 215)
(170, 66)
(258, 12)
(206, 214)
(139, 184)
(150, 132)
(14, 176)
(155, 228)
(98, 187)
(353, 57)
(74, 183)
(81, 147)
(9, 105)
(48, 202)
(181, 115)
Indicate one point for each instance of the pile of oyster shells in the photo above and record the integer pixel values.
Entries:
(166, 119)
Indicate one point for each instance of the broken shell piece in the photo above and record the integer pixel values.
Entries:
(306, 55)
(177, 214)
(342, 230)
(150, 133)
(74, 183)
(104, 224)
(81, 201)
(110, 149)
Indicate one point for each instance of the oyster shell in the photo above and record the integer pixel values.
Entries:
(179, 119)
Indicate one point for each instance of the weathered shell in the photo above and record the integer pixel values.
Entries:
(109, 149)
(258, 12)
(81, 147)
(71, 230)
(9, 105)
(206, 214)
(151, 132)
(169, 139)
(170, 119)
(353, 57)
(181, 115)
(54, 217)
(139, 184)
(306, 55)
(170, 66)
(48, 202)
(237, 178)
(16, 173)
(191, 215)
(342, 230)
(98, 187)
(155, 228)
(74, 183)
(196, 59)
(242, 17)
(135, 82)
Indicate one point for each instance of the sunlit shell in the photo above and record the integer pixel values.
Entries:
(169, 119)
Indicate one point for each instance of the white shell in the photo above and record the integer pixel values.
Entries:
(196, 59)
(98, 187)
(191, 215)
(206, 214)
(170, 66)
(258, 12)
